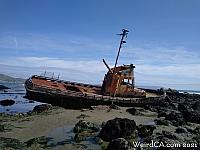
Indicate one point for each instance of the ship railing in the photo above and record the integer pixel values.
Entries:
(50, 75)
(89, 95)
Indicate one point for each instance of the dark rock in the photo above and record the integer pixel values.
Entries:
(162, 114)
(147, 139)
(145, 130)
(83, 125)
(191, 116)
(197, 139)
(150, 108)
(103, 124)
(2, 87)
(10, 143)
(42, 107)
(189, 129)
(133, 111)
(162, 122)
(170, 135)
(83, 129)
(113, 106)
(7, 102)
(197, 130)
(168, 99)
(181, 130)
(172, 92)
(80, 137)
(119, 144)
(175, 118)
(31, 101)
(118, 128)
(182, 107)
(42, 140)
(196, 106)
(2, 127)
(161, 91)
(164, 104)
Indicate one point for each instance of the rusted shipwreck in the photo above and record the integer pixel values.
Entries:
(118, 87)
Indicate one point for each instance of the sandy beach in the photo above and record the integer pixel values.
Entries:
(57, 124)
(27, 127)
(42, 124)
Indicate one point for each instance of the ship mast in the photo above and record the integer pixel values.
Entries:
(123, 34)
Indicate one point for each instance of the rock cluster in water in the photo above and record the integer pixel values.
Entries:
(2, 87)
(83, 129)
(7, 102)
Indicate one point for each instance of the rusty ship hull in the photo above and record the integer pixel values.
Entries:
(62, 93)
(118, 87)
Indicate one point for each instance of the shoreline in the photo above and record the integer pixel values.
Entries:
(176, 118)
(27, 127)
(42, 124)
(57, 124)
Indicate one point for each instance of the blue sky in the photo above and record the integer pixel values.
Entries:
(72, 38)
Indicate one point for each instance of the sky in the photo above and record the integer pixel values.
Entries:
(71, 37)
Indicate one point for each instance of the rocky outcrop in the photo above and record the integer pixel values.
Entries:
(197, 140)
(145, 130)
(133, 111)
(191, 116)
(190, 112)
(196, 106)
(118, 128)
(162, 122)
(2, 87)
(162, 114)
(10, 143)
(7, 102)
(119, 144)
(113, 106)
(170, 135)
(175, 118)
(83, 125)
(83, 129)
(197, 130)
(42, 108)
(181, 130)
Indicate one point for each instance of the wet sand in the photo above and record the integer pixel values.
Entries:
(42, 124)
(57, 124)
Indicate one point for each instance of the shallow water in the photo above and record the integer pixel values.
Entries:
(58, 138)
(16, 93)
(65, 136)
(149, 122)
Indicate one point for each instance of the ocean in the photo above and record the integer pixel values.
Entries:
(16, 93)
(181, 91)
(190, 91)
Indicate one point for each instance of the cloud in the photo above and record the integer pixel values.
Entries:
(16, 44)
(179, 74)
(161, 55)
(93, 71)
(65, 73)
(176, 66)
(50, 43)
(86, 66)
